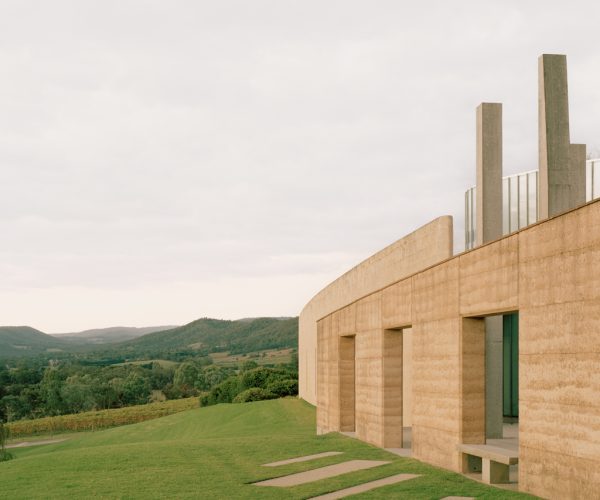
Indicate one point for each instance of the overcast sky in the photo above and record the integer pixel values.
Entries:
(162, 161)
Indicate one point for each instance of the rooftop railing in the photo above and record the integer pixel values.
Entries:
(520, 200)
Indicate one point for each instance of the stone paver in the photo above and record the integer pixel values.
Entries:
(458, 498)
(321, 473)
(306, 458)
(366, 486)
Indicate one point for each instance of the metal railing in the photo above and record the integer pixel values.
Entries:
(520, 200)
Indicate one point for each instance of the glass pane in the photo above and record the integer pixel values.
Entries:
(473, 215)
(467, 221)
(514, 203)
(523, 199)
(470, 218)
(596, 176)
(588, 180)
(532, 195)
(505, 206)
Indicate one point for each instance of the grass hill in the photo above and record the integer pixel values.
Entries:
(109, 335)
(214, 335)
(216, 453)
(18, 341)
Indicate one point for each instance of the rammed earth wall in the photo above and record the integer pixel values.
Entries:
(550, 274)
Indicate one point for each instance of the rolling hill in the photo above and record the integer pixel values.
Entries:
(19, 341)
(214, 335)
(202, 336)
(109, 335)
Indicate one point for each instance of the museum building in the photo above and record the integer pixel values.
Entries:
(486, 362)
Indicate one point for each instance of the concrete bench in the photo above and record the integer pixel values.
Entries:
(495, 461)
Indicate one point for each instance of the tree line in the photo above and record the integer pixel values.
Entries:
(33, 388)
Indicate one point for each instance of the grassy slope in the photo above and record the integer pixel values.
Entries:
(213, 452)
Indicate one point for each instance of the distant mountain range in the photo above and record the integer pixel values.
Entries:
(18, 341)
(110, 335)
(206, 335)
(211, 335)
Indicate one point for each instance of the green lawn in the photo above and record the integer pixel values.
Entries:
(214, 452)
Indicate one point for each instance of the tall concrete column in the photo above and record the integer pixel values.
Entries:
(577, 157)
(554, 141)
(488, 218)
(488, 228)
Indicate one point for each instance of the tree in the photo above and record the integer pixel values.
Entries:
(222, 393)
(136, 389)
(185, 378)
(249, 365)
(211, 376)
(78, 394)
(253, 394)
(283, 387)
(50, 388)
(4, 435)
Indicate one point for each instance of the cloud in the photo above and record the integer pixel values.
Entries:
(153, 146)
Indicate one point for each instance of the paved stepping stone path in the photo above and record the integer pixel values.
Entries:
(366, 486)
(322, 473)
(458, 498)
(303, 459)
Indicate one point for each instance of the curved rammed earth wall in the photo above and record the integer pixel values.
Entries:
(428, 245)
(550, 273)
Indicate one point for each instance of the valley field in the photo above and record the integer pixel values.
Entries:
(215, 452)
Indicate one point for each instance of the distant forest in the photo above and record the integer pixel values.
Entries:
(215, 359)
